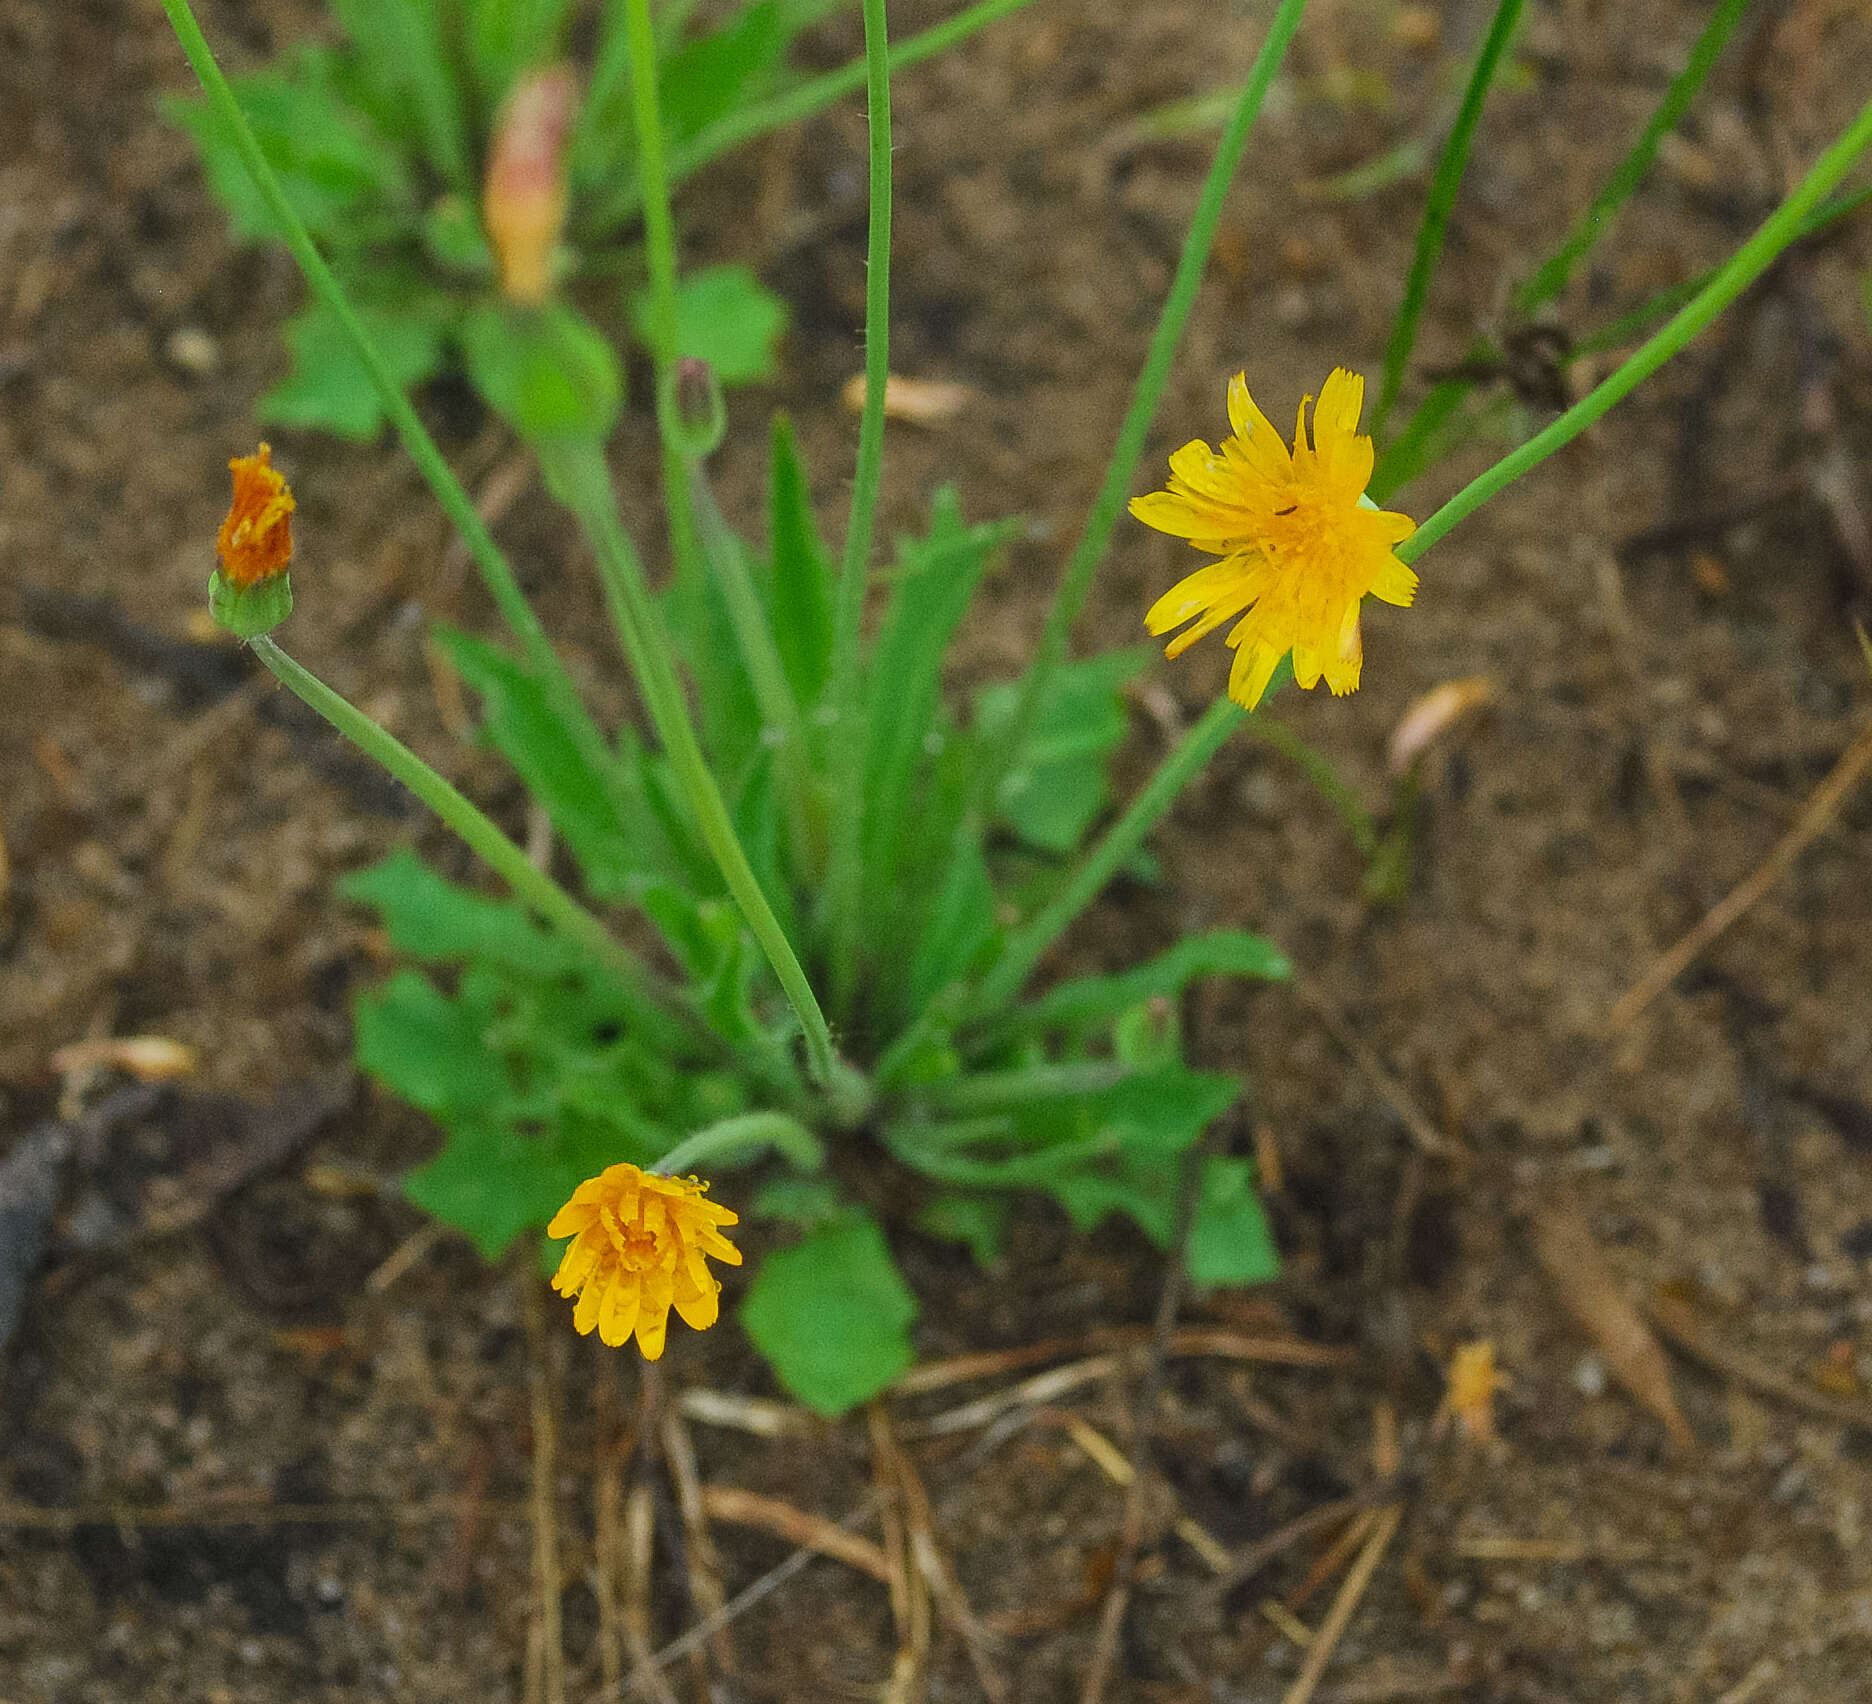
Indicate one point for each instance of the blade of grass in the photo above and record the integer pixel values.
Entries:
(839, 914)
(1444, 184)
(1668, 300)
(1551, 276)
(1146, 393)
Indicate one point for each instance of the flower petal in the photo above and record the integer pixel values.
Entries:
(1395, 584)
(1254, 666)
(617, 1318)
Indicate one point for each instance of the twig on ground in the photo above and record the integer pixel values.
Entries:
(1112, 1463)
(754, 1415)
(647, 1664)
(1393, 1093)
(704, 1564)
(739, 1604)
(1678, 1321)
(616, 1443)
(909, 1595)
(1249, 1561)
(545, 1680)
(940, 1577)
(1327, 1637)
(813, 1534)
(1334, 1557)
(1189, 1340)
(1144, 1407)
(411, 1250)
(1821, 805)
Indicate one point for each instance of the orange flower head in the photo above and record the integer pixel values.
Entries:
(640, 1246)
(255, 542)
(1299, 542)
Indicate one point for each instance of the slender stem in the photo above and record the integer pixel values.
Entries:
(576, 471)
(1444, 184)
(758, 118)
(735, 1141)
(1026, 946)
(480, 834)
(1102, 517)
(1551, 277)
(1782, 227)
(844, 872)
(1024, 1085)
(773, 693)
(496, 574)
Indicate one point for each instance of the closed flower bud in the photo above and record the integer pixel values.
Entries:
(523, 203)
(250, 592)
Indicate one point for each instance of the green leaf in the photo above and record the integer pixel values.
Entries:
(453, 238)
(1088, 1000)
(547, 371)
(978, 1221)
(434, 920)
(1058, 782)
(726, 317)
(507, 37)
(704, 79)
(904, 718)
(832, 1315)
(617, 855)
(801, 579)
(333, 168)
(428, 1048)
(1231, 1241)
(960, 926)
(329, 389)
(404, 63)
(489, 1182)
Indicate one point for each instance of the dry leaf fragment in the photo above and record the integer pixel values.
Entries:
(1433, 714)
(1473, 1382)
(919, 402)
(148, 1058)
(1571, 1259)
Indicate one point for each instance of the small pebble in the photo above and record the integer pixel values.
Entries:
(1589, 1376)
(192, 350)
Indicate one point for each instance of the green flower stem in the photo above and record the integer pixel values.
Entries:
(1095, 538)
(576, 472)
(495, 572)
(1444, 183)
(482, 836)
(1026, 946)
(1551, 277)
(1782, 227)
(735, 1141)
(780, 713)
(758, 118)
(839, 913)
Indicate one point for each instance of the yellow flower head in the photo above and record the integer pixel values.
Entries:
(255, 541)
(640, 1244)
(1300, 545)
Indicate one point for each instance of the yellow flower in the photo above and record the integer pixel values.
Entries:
(255, 541)
(640, 1244)
(1299, 542)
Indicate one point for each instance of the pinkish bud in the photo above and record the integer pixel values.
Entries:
(1428, 717)
(524, 203)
